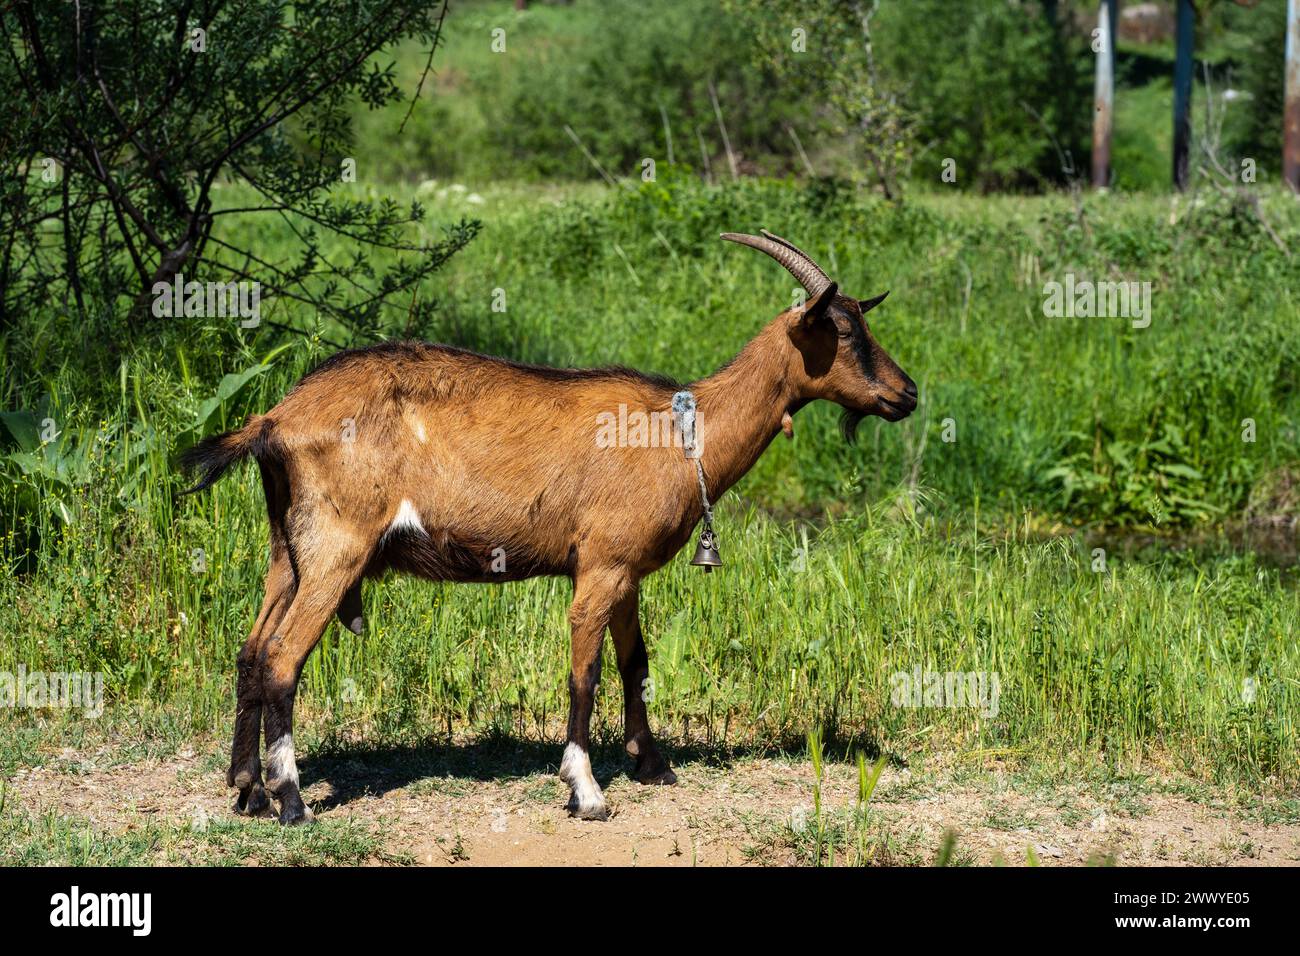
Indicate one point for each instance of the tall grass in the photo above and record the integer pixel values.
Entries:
(1146, 659)
(845, 564)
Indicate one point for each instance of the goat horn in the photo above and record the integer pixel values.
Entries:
(798, 264)
(793, 248)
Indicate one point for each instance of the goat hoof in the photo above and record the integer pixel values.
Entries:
(652, 769)
(293, 811)
(293, 816)
(252, 801)
(587, 811)
(664, 778)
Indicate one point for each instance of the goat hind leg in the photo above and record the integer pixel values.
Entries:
(245, 766)
(634, 668)
(282, 657)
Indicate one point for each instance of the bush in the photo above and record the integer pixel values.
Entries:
(1259, 47)
(1000, 89)
(613, 86)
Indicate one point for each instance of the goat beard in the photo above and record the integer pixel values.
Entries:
(849, 422)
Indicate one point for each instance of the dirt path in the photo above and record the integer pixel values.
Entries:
(752, 811)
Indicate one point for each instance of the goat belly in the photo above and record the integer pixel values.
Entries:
(441, 556)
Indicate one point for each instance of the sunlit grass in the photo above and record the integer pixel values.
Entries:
(844, 564)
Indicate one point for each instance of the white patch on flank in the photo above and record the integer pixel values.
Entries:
(419, 432)
(280, 765)
(407, 519)
(575, 770)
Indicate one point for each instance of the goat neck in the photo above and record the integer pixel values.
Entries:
(742, 404)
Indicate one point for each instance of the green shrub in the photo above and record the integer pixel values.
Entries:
(613, 85)
(1258, 44)
(1001, 88)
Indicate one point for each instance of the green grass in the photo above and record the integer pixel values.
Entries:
(29, 838)
(1089, 419)
(1145, 662)
(845, 564)
(962, 539)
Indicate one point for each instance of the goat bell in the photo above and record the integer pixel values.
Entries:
(706, 552)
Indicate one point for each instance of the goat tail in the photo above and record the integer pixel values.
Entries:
(215, 454)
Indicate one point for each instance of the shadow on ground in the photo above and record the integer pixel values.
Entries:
(358, 770)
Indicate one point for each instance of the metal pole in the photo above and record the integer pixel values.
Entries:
(1183, 94)
(1104, 95)
(1291, 110)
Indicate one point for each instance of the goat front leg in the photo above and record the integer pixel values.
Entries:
(634, 667)
(594, 595)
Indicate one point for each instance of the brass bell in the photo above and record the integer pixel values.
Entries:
(706, 552)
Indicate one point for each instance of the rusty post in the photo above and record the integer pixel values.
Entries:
(1291, 110)
(1183, 94)
(1104, 94)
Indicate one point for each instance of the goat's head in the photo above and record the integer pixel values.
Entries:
(837, 357)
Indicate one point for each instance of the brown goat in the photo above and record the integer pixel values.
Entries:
(460, 467)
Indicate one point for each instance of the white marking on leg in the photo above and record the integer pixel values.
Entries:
(281, 768)
(406, 519)
(575, 770)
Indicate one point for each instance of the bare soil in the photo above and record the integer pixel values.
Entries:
(477, 811)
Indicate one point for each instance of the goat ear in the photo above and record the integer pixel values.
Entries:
(814, 310)
(866, 305)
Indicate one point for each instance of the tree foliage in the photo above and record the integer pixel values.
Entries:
(126, 118)
(1002, 87)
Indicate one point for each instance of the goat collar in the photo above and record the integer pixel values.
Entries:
(706, 552)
